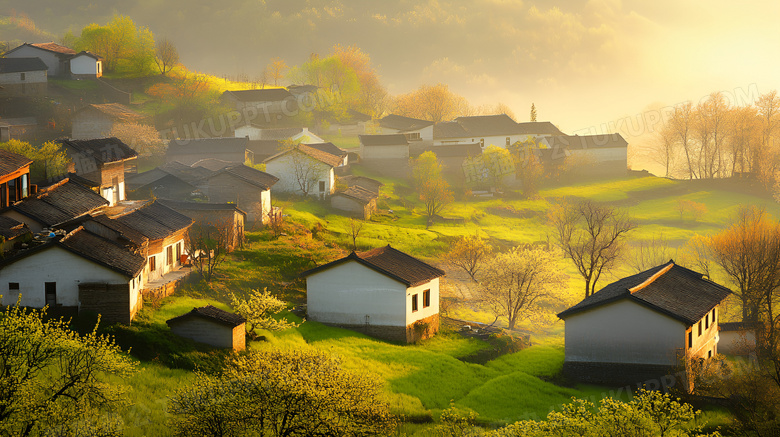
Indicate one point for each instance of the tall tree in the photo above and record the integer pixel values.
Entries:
(533, 112)
(49, 160)
(124, 47)
(592, 236)
(469, 253)
(435, 195)
(681, 124)
(515, 283)
(276, 69)
(55, 381)
(431, 102)
(166, 55)
(425, 167)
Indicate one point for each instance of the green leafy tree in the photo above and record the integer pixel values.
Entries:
(124, 47)
(53, 379)
(276, 393)
(259, 309)
(533, 112)
(498, 165)
(425, 168)
(435, 195)
(49, 160)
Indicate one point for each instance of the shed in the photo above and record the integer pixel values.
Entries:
(356, 200)
(377, 147)
(212, 326)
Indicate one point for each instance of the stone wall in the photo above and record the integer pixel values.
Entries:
(111, 301)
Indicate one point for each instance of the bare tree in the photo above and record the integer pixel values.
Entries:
(681, 124)
(592, 236)
(208, 246)
(307, 171)
(276, 221)
(664, 149)
(650, 253)
(515, 283)
(469, 253)
(165, 55)
(355, 226)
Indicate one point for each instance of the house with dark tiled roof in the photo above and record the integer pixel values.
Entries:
(268, 102)
(214, 217)
(363, 182)
(643, 326)
(383, 292)
(75, 272)
(13, 234)
(98, 120)
(355, 200)
(498, 130)
(333, 150)
(291, 134)
(23, 77)
(14, 177)
(61, 61)
(103, 162)
(190, 151)
(383, 147)
(245, 187)
(304, 170)
(352, 123)
(166, 231)
(55, 204)
(212, 326)
(415, 130)
(598, 153)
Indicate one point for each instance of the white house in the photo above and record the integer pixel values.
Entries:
(643, 326)
(383, 147)
(295, 134)
(25, 77)
(412, 128)
(79, 271)
(55, 56)
(384, 293)
(498, 130)
(85, 65)
(599, 153)
(304, 170)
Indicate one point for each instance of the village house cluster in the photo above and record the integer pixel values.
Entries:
(103, 237)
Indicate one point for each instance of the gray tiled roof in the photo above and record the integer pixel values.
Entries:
(11, 162)
(60, 202)
(104, 252)
(358, 193)
(155, 221)
(104, 150)
(678, 292)
(401, 123)
(21, 65)
(264, 95)
(383, 140)
(212, 313)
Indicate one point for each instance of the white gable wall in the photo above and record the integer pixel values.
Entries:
(64, 268)
(496, 140)
(624, 332)
(85, 65)
(50, 59)
(253, 133)
(347, 293)
(422, 312)
(283, 167)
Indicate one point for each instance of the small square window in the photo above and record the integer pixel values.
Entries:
(13, 286)
(414, 302)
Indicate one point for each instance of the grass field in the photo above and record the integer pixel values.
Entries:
(420, 380)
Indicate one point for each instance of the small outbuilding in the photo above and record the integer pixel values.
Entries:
(738, 338)
(212, 326)
(356, 200)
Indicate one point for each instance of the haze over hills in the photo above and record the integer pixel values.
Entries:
(584, 64)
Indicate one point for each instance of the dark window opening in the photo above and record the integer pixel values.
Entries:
(507, 141)
(414, 303)
(709, 354)
(152, 263)
(713, 315)
(707, 321)
(699, 328)
(51, 293)
(426, 298)
(169, 255)
(24, 76)
(690, 339)
(13, 286)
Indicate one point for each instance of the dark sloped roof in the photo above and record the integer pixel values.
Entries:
(486, 125)
(11, 162)
(265, 95)
(401, 123)
(358, 193)
(138, 180)
(585, 142)
(190, 175)
(250, 175)
(155, 220)
(19, 65)
(281, 133)
(200, 206)
(213, 164)
(448, 150)
(669, 288)
(390, 262)
(449, 129)
(117, 111)
(538, 128)
(105, 150)
(362, 181)
(60, 202)
(383, 140)
(88, 53)
(301, 89)
(10, 228)
(104, 252)
(122, 229)
(211, 313)
(329, 148)
(54, 47)
(319, 155)
(207, 146)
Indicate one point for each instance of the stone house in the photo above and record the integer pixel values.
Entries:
(212, 326)
(383, 292)
(355, 200)
(97, 120)
(102, 161)
(222, 216)
(643, 327)
(23, 129)
(23, 77)
(13, 234)
(498, 130)
(304, 170)
(75, 272)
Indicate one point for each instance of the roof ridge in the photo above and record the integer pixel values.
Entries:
(72, 233)
(651, 279)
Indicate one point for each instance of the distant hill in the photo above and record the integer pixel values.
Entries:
(15, 30)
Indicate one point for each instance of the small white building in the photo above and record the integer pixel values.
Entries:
(213, 326)
(304, 170)
(643, 326)
(383, 147)
(384, 293)
(23, 77)
(80, 271)
(86, 65)
(355, 200)
(738, 338)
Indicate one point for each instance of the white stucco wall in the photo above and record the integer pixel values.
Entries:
(384, 152)
(496, 140)
(349, 292)
(84, 65)
(422, 312)
(265, 200)
(161, 266)
(50, 59)
(283, 167)
(29, 77)
(247, 131)
(624, 332)
(54, 265)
